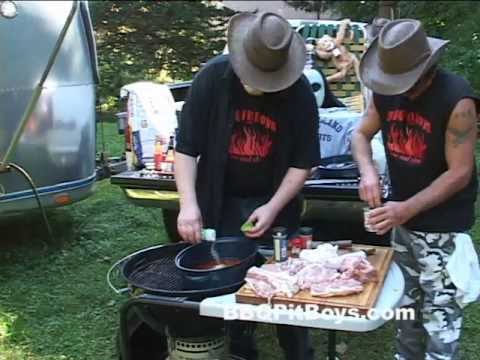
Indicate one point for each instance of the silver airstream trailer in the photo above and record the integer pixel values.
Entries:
(48, 73)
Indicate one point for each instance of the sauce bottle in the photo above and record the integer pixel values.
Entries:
(128, 146)
(158, 155)
(306, 234)
(170, 156)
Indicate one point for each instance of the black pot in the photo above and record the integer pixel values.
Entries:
(190, 259)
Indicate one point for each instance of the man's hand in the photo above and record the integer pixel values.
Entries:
(392, 214)
(263, 218)
(189, 223)
(369, 188)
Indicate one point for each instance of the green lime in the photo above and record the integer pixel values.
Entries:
(248, 226)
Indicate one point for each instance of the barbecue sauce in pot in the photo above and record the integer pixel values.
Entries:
(213, 265)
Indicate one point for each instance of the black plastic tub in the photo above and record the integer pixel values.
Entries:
(190, 260)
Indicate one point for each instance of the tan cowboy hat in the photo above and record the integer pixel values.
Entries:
(265, 52)
(398, 57)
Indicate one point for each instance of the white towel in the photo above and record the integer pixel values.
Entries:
(464, 270)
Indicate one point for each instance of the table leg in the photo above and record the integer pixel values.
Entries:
(332, 344)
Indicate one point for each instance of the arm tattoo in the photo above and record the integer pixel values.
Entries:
(459, 136)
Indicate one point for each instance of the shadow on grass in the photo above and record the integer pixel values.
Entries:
(29, 228)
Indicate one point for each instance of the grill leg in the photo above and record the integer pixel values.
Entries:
(332, 342)
(123, 336)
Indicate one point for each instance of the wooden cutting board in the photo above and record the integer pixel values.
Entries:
(362, 301)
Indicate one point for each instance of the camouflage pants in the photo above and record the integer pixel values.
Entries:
(435, 332)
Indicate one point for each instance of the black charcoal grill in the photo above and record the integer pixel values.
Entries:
(156, 321)
(161, 320)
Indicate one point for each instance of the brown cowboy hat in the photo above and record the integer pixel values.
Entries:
(265, 52)
(398, 57)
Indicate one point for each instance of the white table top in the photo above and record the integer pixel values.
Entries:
(226, 307)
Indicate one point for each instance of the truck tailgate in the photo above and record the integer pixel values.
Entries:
(330, 189)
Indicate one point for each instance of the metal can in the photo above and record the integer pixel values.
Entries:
(306, 234)
(280, 243)
(366, 214)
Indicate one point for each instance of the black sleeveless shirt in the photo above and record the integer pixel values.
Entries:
(414, 138)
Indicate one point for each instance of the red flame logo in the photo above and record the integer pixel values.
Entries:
(252, 136)
(248, 143)
(408, 145)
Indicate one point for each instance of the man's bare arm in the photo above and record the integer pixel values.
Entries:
(185, 177)
(291, 185)
(264, 216)
(189, 222)
(370, 124)
(461, 136)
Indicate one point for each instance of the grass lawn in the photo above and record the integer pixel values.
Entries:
(55, 303)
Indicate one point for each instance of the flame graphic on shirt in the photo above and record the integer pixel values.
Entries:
(252, 136)
(249, 144)
(407, 144)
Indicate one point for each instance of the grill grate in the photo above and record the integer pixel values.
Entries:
(157, 270)
(154, 271)
(158, 274)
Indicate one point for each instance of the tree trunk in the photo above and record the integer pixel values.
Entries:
(387, 9)
(320, 10)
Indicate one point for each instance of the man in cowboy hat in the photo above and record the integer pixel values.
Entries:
(428, 121)
(251, 121)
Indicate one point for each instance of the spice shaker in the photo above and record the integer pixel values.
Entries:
(280, 243)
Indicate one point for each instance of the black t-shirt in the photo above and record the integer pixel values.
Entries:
(206, 125)
(414, 138)
(250, 164)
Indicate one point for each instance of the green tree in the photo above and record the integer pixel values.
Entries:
(356, 10)
(317, 7)
(139, 40)
(456, 21)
